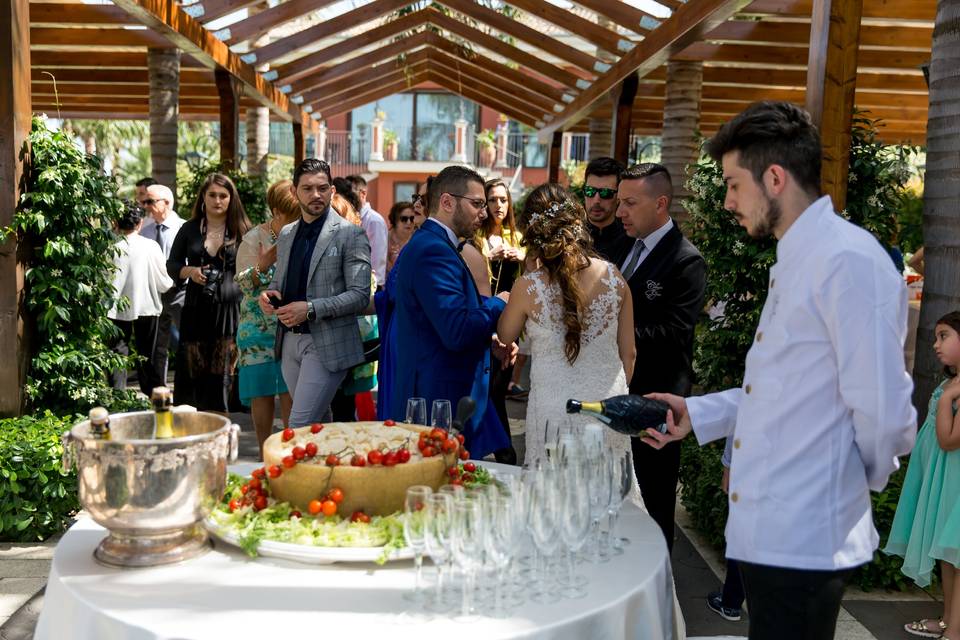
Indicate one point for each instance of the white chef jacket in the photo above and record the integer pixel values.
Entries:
(825, 408)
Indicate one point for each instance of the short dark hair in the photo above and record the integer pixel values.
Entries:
(767, 133)
(452, 179)
(131, 216)
(311, 166)
(357, 181)
(603, 167)
(655, 176)
(344, 187)
(146, 182)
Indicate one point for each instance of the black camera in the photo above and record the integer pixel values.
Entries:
(212, 286)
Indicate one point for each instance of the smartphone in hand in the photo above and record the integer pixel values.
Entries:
(275, 301)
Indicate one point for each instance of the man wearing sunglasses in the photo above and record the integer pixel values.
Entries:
(600, 200)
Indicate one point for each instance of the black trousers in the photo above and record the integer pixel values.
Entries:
(142, 335)
(733, 586)
(657, 474)
(792, 604)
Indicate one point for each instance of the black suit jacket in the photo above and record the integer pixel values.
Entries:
(668, 290)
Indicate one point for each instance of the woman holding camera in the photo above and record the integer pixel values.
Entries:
(204, 254)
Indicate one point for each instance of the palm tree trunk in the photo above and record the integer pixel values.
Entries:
(164, 73)
(681, 121)
(941, 217)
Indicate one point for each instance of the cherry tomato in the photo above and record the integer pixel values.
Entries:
(288, 462)
(468, 477)
(359, 516)
(336, 495)
(458, 482)
(299, 453)
(429, 451)
(358, 461)
(464, 454)
(332, 460)
(235, 504)
(374, 457)
(329, 508)
(422, 445)
(314, 507)
(469, 467)
(244, 489)
(274, 471)
(296, 514)
(460, 438)
(311, 449)
(254, 483)
(390, 459)
(257, 473)
(403, 456)
(438, 434)
(449, 445)
(260, 503)
(453, 472)
(389, 423)
(288, 434)
(316, 427)
(423, 435)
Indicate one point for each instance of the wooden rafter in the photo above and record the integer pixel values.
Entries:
(116, 77)
(60, 13)
(887, 9)
(489, 90)
(470, 93)
(477, 74)
(685, 26)
(622, 14)
(325, 29)
(301, 67)
(592, 32)
(653, 94)
(168, 19)
(210, 10)
(97, 59)
(780, 33)
(383, 91)
(141, 90)
(258, 24)
(526, 34)
(95, 37)
(777, 57)
(361, 77)
(370, 87)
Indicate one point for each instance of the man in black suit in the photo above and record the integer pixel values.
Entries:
(600, 200)
(667, 277)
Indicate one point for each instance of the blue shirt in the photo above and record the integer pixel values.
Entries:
(298, 268)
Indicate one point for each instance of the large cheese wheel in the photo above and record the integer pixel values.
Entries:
(373, 489)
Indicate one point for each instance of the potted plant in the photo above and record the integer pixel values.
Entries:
(487, 141)
(391, 145)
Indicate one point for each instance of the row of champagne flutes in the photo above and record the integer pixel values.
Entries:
(520, 536)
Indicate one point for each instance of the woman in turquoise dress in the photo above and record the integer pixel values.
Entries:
(260, 377)
(926, 527)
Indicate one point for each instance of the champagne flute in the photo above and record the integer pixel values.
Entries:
(438, 531)
(440, 414)
(468, 544)
(414, 531)
(416, 411)
(575, 517)
(544, 526)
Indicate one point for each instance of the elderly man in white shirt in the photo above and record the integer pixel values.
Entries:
(161, 226)
(141, 277)
(376, 229)
(824, 410)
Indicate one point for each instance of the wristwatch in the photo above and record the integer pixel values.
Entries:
(311, 312)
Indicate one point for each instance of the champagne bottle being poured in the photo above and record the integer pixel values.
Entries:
(628, 414)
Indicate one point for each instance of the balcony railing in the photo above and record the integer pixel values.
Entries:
(347, 153)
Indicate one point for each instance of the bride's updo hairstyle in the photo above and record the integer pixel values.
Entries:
(556, 234)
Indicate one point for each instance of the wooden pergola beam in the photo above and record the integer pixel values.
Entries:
(79, 59)
(301, 67)
(258, 24)
(169, 19)
(118, 90)
(527, 34)
(484, 87)
(368, 78)
(115, 77)
(210, 10)
(111, 100)
(506, 108)
(325, 29)
(796, 56)
(342, 106)
(62, 13)
(716, 95)
(622, 14)
(907, 36)
(592, 32)
(886, 9)
(95, 37)
(685, 26)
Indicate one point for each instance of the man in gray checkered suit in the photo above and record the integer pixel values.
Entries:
(321, 283)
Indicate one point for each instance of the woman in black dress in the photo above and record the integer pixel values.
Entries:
(204, 254)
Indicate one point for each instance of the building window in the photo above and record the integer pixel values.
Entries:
(403, 191)
(522, 144)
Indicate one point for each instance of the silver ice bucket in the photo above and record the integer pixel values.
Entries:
(152, 494)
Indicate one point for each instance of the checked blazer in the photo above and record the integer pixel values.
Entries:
(338, 284)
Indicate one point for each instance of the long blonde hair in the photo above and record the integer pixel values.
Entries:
(556, 234)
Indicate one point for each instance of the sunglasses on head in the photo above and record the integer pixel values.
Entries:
(416, 198)
(406, 218)
(605, 193)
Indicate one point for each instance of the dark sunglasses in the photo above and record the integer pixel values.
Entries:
(406, 218)
(605, 194)
(149, 202)
(416, 198)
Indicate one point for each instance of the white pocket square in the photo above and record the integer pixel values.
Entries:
(333, 251)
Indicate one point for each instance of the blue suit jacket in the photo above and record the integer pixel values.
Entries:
(443, 329)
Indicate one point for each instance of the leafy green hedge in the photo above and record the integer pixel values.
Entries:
(737, 268)
(37, 499)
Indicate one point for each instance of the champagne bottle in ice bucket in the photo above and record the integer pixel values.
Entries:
(99, 423)
(628, 414)
(162, 399)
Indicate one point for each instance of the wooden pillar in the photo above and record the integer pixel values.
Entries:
(299, 153)
(164, 75)
(681, 122)
(831, 85)
(229, 90)
(15, 112)
(553, 162)
(623, 95)
(258, 140)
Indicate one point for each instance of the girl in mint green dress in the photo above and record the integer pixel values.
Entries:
(926, 527)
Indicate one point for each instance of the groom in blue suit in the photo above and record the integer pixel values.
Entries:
(444, 327)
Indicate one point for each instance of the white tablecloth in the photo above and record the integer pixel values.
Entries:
(225, 594)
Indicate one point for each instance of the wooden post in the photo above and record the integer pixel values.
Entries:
(164, 76)
(299, 153)
(553, 163)
(15, 111)
(229, 91)
(681, 121)
(623, 94)
(831, 85)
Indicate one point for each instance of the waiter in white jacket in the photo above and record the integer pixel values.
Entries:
(824, 409)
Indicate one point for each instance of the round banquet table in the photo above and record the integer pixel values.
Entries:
(225, 594)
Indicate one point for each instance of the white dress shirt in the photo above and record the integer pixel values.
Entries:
(648, 245)
(376, 229)
(141, 276)
(825, 407)
(168, 230)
